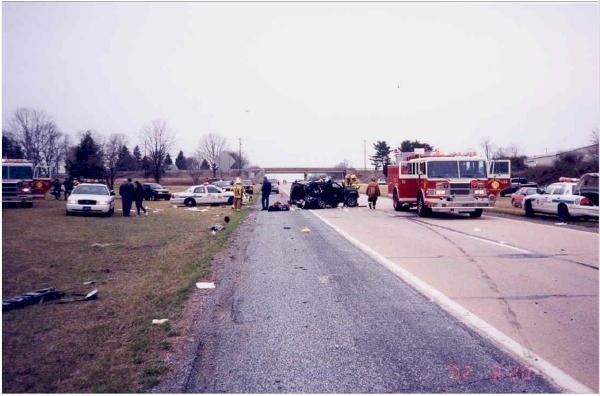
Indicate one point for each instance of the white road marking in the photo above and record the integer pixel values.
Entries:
(559, 377)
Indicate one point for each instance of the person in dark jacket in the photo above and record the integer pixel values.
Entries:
(68, 184)
(56, 189)
(127, 195)
(138, 193)
(266, 193)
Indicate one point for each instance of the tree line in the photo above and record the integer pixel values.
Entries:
(32, 134)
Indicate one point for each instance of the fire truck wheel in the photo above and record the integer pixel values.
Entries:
(477, 213)
(422, 209)
(395, 202)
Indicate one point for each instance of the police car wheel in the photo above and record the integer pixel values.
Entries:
(189, 202)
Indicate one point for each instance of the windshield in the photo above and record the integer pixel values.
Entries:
(16, 172)
(90, 190)
(456, 169)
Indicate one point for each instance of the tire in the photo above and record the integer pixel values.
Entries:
(397, 205)
(477, 213)
(230, 201)
(563, 212)
(422, 209)
(68, 213)
(189, 202)
(351, 202)
(528, 209)
(321, 204)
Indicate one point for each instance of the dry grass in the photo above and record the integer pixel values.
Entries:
(145, 270)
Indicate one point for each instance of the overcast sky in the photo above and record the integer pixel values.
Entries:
(307, 83)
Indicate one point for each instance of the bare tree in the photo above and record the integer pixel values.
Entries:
(488, 147)
(193, 168)
(112, 150)
(210, 148)
(513, 150)
(37, 135)
(157, 142)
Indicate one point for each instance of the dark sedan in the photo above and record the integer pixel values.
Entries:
(154, 192)
(322, 194)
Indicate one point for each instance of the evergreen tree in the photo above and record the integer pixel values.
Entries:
(168, 160)
(86, 160)
(407, 146)
(381, 159)
(137, 156)
(180, 161)
(204, 164)
(126, 161)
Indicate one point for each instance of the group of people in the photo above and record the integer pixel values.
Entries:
(239, 191)
(132, 192)
(65, 187)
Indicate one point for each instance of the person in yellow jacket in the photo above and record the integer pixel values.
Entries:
(238, 195)
(352, 181)
(373, 193)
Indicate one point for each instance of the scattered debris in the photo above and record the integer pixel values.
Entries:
(279, 207)
(35, 297)
(89, 282)
(305, 230)
(287, 228)
(159, 321)
(476, 229)
(205, 285)
(96, 244)
(560, 224)
(193, 209)
(226, 219)
(216, 227)
(43, 295)
(203, 210)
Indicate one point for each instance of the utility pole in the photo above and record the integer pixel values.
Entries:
(240, 156)
(365, 154)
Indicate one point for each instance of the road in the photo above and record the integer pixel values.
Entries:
(305, 312)
(535, 283)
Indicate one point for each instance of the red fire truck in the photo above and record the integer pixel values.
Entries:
(21, 182)
(436, 182)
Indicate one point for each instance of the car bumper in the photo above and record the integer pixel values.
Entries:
(177, 201)
(580, 211)
(77, 208)
(457, 206)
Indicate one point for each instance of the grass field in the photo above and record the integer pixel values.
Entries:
(144, 268)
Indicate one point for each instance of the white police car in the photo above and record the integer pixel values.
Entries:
(206, 194)
(90, 198)
(558, 199)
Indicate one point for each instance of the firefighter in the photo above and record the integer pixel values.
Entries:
(354, 182)
(238, 195)
(373, 192)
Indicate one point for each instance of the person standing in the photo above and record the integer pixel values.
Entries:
(372, 193)
(238, 195)
(266, 193)
(68, 185)
(127, 194)
(56, 189)
(138, 194)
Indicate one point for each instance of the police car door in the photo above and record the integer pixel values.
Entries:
(200, 195)
(213, 195)
(544, 203)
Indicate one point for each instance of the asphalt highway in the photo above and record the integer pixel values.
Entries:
(308, 312)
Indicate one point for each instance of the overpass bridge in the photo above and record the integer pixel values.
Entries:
(334, 173)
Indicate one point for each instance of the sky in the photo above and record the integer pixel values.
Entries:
(307, 83)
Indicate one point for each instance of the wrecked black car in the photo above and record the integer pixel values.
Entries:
(322, 194)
